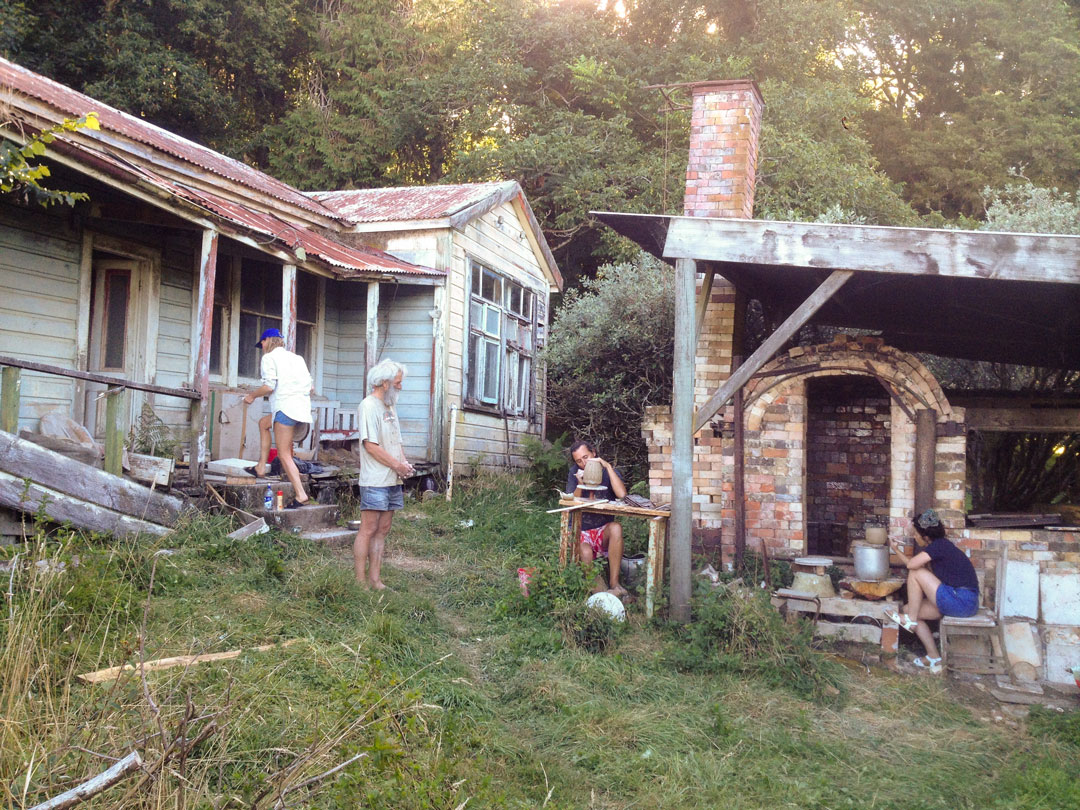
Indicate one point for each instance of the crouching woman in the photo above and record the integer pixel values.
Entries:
(941, 581)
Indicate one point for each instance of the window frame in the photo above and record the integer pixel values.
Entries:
(516, 308)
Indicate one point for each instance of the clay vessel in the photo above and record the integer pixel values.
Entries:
(877, 535)
(594, 473)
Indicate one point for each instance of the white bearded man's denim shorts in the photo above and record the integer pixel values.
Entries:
(382, 499)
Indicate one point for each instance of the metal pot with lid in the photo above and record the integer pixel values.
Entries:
(871, 561)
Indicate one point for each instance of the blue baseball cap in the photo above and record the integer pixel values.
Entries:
(269, 333)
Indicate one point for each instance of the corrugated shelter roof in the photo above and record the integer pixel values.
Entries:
(408, 203)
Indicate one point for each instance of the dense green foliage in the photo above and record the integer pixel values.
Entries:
(454, 690)
(609, 358)
(881, 112)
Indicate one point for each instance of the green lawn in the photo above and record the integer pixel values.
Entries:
(454, 692)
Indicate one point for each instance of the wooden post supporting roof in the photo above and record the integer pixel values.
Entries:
(771, 346)
(371, 334)
(288, 305)
(682, 450)
(204, 330)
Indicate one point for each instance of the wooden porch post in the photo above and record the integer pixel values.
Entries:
(371, 334)
(9, 399)
(682, 450)
(204, 323)
(739, 484)
(288, 305)
(116, 398)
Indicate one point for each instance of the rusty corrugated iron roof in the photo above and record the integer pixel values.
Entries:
(97, 149)
(75, 104)
(407, 203)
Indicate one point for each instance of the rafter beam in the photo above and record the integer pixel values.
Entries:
(771, 346)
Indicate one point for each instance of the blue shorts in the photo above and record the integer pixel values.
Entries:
(958, 602)
(381, 499)
(281, 418)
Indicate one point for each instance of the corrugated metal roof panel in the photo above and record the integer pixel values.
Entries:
(408, 203)
(74, 104)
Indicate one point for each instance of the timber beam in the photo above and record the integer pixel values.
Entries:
(795, 321)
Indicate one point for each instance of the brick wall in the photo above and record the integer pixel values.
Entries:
(775, 414)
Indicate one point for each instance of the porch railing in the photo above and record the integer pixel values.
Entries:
(116, 398)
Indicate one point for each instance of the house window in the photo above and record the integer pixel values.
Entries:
(307, 314)
(115, 322)
(502, 329)
(260, 309)
(219, 332)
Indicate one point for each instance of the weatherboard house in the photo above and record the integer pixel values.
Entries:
(160, 284)
(798, 450)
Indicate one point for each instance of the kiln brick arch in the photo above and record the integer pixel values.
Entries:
(908, 381)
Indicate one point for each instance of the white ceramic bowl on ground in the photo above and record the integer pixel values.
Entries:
(609, 603)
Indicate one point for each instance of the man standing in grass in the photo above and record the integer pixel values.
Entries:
(601, 535)
(382, 468)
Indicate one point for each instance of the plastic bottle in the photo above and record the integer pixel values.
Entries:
(280, 500)
(268, 499)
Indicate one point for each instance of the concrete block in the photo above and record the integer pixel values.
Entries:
(1021, 588)
(1062, 648)
(1022, 650)
(1060, 598)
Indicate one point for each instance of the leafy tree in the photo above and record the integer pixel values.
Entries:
(609, 357)
(20, 175)
(216, 71)
(965, 90)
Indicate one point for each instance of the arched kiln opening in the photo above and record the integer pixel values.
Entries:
(847, 461)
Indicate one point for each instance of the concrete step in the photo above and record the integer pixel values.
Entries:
(334, 537)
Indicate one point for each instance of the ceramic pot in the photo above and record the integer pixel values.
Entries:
(877, 535)
(871, 562)
(594, 473)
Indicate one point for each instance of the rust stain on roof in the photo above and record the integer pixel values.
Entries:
(408, 203)
(75, 104)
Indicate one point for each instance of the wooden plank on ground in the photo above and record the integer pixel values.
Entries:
(24, 459)
(60, 507)
(863, 633)
(151, 469)
(178, 661)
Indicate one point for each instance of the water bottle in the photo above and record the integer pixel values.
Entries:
(268, 499)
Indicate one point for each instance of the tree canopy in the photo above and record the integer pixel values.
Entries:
(883, 112)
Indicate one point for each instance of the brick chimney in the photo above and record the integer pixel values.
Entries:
(724, 128)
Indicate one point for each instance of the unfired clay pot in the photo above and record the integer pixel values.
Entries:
(594, 473)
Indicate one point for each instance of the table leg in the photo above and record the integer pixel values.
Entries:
(654, 566)
(564, 538)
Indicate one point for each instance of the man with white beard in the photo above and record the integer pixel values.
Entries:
(382, 468)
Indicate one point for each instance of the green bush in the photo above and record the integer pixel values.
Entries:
(548, 462)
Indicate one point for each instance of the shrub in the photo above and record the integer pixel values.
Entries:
(610, 357)
(548, 462)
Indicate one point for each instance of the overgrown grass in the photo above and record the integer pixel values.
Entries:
(455, 691)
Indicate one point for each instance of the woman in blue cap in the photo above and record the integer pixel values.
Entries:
(285, 377)
(941, 581)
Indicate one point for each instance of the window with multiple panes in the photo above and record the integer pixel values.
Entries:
(502, 342)
(260, 309)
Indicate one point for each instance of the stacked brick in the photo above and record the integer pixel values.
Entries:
(775, 414)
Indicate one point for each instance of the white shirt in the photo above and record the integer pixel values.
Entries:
(288, 375)
(378, 424)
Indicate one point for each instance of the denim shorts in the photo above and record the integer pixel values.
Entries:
(381, 499)
(958, 602)
(282, 419)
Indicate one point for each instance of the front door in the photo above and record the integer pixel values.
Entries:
(120, 345)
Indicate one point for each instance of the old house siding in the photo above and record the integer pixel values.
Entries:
(40, 254)
(174, 350)
(498, 240)
(406, 335)
(346, 308)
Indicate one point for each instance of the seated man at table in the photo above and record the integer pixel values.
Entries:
(601, 535)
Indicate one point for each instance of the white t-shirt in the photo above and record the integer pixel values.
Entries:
(288, 375)
(379, 424)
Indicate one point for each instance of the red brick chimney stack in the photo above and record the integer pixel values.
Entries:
(724, 128)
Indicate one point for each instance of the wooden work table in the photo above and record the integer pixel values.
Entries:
(657, 519)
